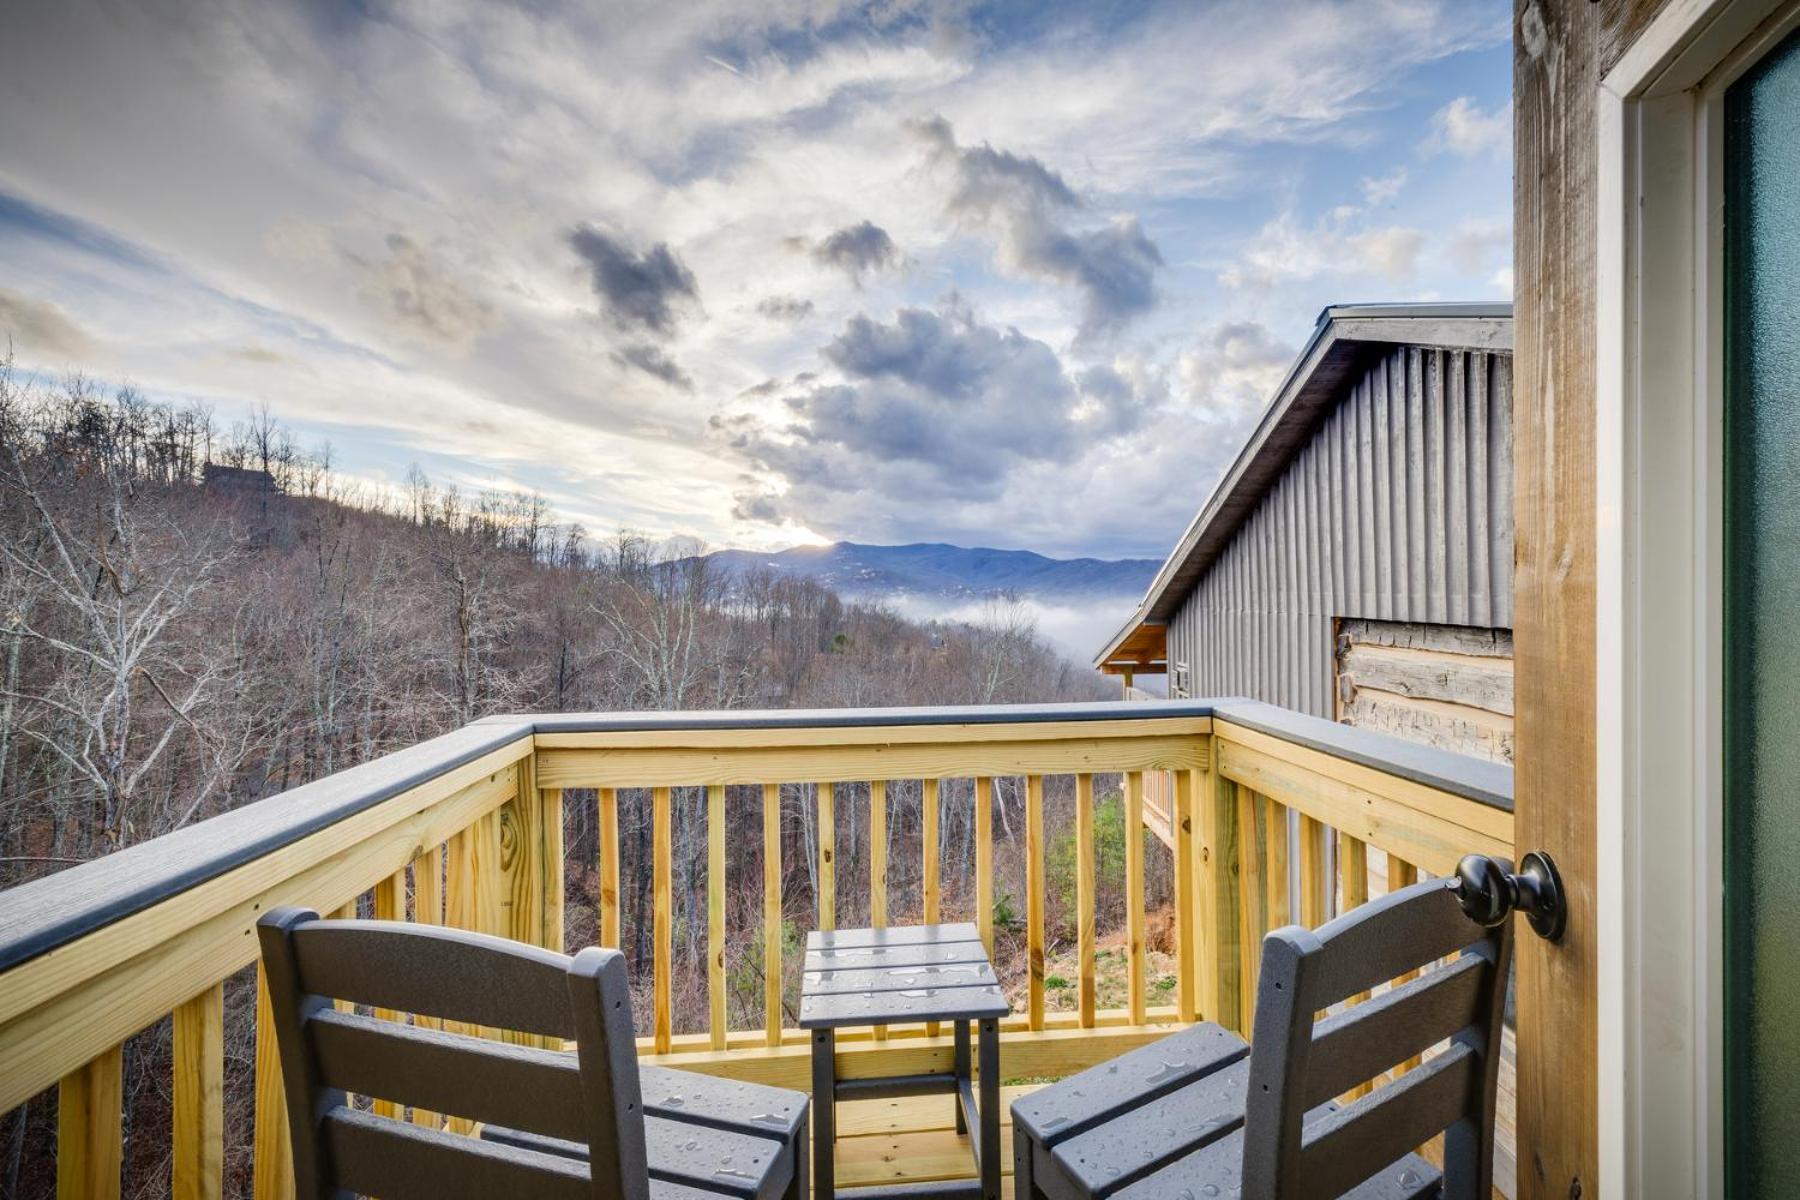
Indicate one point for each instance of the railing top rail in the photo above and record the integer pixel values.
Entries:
(1476, 779)
(857, 718)
(39, 916)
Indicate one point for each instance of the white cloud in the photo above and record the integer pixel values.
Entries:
(1462, 128)
(1340, 244)
(1384, 189)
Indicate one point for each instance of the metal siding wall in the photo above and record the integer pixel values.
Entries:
(1398, 509)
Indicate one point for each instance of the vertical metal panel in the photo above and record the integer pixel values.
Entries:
(1399, 508)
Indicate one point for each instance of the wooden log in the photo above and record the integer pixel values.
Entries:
(663, 917)
(1460, 679)
(609, 867)
(984, 861)
(1084, 897)
(1187, 937)
(272, 1166)
(197, 1144)
(772, 932)
(1034, 897)
(715, 915)
(1134, 895)
(90, 1129)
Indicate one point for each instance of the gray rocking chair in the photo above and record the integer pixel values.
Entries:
(1200, 1114)
(587, 1125)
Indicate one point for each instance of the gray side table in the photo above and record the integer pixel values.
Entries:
(905, 973)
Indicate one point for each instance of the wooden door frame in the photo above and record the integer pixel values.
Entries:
(1658, 592)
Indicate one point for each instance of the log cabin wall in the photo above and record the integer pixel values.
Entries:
(1397, 510)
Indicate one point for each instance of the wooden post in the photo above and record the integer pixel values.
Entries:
(1187, 937)
(522, 865)
(1034, 898)
(772, 931)
(827, 856)
(1134, 894)
(1084, 897)
(272, 1174)
(490, 879)
(663, 919)
(984, 861)
(878, 882)
(609, 867)
(715, 915)
(89, 1129)
(198, 1144)
(1221, 978)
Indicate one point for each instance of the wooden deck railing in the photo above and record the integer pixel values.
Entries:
(469, 827)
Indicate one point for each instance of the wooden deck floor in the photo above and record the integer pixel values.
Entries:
(913, 1140)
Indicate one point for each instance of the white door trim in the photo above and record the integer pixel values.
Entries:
(1658, 589)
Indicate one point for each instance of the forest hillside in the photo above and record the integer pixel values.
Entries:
(196, 616)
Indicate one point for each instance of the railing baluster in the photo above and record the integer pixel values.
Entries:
(662, 919)
(715, 914)
(1402, 874)
(1187, 936)
(490, 878)
(827, 856)
(607, 800)
(1312, 872)
(772, 931)
(89, 1129)
(555, 937)
(984, 861)
(1134, 895)
(878, 882)
(930, 898)
(428, 909)
(1253, 898)
(390, 905)
(1281, 907)
(1353, 882)
(272, 1169)
(931, 895)
(1084, 897)
(199, 1119)
(1034, 898)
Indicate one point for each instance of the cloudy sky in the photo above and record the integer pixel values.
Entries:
(760, 271)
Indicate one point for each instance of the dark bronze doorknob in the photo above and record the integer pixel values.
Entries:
(1489, 891)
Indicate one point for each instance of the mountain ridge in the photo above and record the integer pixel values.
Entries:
(943, 570)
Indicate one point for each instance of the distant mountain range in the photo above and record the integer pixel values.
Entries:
(934, 570)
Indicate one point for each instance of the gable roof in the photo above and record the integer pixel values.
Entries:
(1341, 341)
